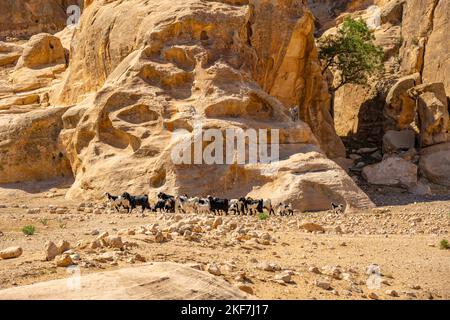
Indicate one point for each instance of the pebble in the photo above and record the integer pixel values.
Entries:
(322, 283)
(392, 293)
(285, 277)
(373, 296)
(213, 269)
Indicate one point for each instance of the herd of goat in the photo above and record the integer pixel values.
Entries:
(171, 204)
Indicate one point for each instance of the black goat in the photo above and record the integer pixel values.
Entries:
(217, 205)
(135, 201)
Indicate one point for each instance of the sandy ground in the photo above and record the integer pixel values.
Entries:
(403, 240)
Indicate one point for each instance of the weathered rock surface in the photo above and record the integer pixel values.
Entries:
(435, 163)
(391, 171)
(29, 147)
(9, 53)
(158, 280)
(433, 113)
(398, 140)
(143, 89)
(23, 19)
(400, 107)
(426, 47)
(11, 253)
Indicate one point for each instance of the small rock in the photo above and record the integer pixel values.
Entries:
(11, 253)
(159, 237)
(63, 246)
(63, 260)
(314, 270)
(392, 293)
(103, 235)
(34, 211)
(285, 277)
(51, 250)
(322, 283)
(114, 242)
(217, 222)
(213, 269)
(373, 296)
(246, 288)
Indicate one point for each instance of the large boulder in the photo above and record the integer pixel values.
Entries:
(435, 163)
(398, 140)
(43, 59)
(151, 281)
(41, 50)
(433, 113)
(392, 12)
(400, 107)
(393, 171)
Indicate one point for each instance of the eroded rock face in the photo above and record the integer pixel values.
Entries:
(223, 71)
(22, 19)
(426, 47)
(29, 148)
(131, 84)
(266, 45)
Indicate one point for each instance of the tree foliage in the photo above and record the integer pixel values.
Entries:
(351, 54)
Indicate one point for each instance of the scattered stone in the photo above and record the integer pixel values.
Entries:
(246, 288)
(217, 222)
(51, 250)
(392, 293)
(11, 253)
(312, 227)
(63, 246)
(285, 277)
(103, 235)
(63, 260)
(159, 237)
(373, 296)
(34, 211)
(314, 270)
(213, 269)
(398, 140)
(114, 242)
(322, 283)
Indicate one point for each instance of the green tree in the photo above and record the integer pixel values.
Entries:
(351, 54)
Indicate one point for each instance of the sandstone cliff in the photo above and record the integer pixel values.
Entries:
(22, 19)
(130, 84)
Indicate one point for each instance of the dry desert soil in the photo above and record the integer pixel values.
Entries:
(272, 258)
